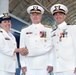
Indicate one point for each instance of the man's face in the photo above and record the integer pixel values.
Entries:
(59, 17)
(6, 25)
(36, 17)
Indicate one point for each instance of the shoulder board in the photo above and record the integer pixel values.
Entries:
(1, 31)
(48, 26)
(25, 26)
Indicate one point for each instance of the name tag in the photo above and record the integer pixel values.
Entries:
(7, 38)
(28, 32)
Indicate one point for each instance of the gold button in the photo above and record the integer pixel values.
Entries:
(14, 54)
(57, 57)
(57, 42)
(35, 47)
(35, 27)
(56, 49)
(14, 59)
(35, 40)
(59, 28)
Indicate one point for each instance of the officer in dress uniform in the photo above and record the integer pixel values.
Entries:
(64, 42)
(8, 47)
(37, 39)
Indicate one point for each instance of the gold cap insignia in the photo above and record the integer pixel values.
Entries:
(6, 15)
(35, 7)
(57, 7)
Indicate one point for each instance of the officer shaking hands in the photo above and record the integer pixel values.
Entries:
(8, 47)
(37, 39)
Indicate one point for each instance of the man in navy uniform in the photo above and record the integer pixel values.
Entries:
(37, 39)
(64, 40)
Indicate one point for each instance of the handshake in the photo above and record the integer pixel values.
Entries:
(22, 51)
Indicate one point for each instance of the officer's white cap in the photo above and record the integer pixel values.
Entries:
(59, 8)
(35, 8)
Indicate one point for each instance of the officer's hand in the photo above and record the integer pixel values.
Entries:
(24, 69)
(23, 51)
(50, 69)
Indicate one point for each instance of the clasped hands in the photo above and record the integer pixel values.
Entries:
(22, 51)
